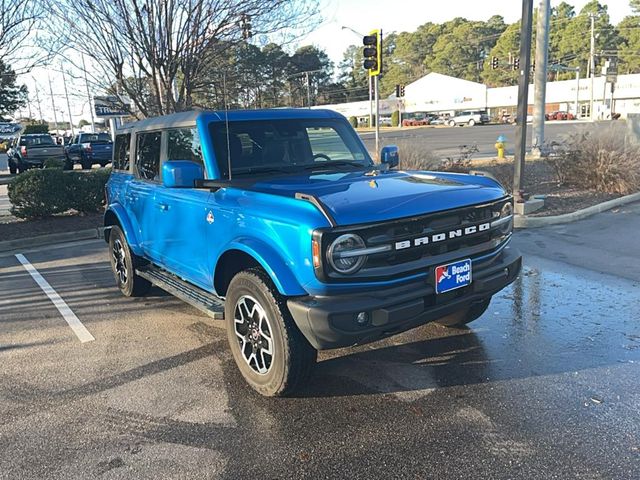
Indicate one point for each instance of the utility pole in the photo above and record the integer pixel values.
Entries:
(53, 104)
(38, 99)
(66, 93)
(523, 99)
(577, 91)
(540, 78)
(306, 76)
(86, 82)
(592, 61)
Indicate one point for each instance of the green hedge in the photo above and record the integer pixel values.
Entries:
(42, 193)
(395, 118)
(36, 128)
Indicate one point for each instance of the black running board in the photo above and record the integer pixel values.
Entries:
(204, 301)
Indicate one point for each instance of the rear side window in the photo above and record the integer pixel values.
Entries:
(121, 152)
(184, 144)
(148, 155)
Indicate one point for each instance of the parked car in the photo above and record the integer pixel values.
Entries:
(470, 118)
(279, 222)
(559, 115)
(87, 149)
(31, 151)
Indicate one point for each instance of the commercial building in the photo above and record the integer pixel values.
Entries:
(444, 94)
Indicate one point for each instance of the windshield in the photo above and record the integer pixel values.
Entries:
(287, 146)
(36, 140)
(95, 138)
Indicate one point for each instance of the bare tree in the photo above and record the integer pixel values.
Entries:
(157, 52)
(19, 22)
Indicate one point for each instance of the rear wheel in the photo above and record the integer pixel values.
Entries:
(68, 163)
(86, 164)
(123, 264)
(452, 123)
(472, 122)
(272, 354)
(12, 168)
(465, 315)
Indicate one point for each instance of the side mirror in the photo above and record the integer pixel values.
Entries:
(181, 173)
(389, 156)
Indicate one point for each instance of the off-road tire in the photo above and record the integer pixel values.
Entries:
(133, 285)
(293, 357)
(466, 315)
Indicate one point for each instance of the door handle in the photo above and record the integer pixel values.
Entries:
(131, 198)
(163, 206)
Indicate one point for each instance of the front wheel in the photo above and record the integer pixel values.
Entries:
(86, 164)
(272, 354)
(452, 123)
(465, 315)
(12, 168)
(472, 122)
(123, 264)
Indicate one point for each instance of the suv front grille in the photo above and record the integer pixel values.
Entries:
(412, 249)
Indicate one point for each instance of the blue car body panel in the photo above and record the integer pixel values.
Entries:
(188, 230)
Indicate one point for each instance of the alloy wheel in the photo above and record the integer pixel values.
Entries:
(120, 264)
(253, 331)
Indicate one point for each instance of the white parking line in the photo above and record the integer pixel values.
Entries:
(74, 322)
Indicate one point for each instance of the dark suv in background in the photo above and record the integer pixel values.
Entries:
(88, 149)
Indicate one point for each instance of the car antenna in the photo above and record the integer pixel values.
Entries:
(226, 120)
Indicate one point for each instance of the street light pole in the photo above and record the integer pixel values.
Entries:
(53, 104)
(523, 100)
(540, 87)
(592, 60)
(66, 93)
(86, 82)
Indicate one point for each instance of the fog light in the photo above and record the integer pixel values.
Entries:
(362, 318)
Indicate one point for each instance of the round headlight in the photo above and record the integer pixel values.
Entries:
(341, 256)
(507, 210)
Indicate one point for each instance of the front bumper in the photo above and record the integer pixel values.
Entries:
(329, 322)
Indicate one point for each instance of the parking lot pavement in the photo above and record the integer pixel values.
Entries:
(544, 385)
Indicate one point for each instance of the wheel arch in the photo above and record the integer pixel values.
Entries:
(249, 253)
(116, 216)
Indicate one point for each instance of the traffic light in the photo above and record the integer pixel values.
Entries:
(245, 25)
(494, 63)
(516, 63)
(373, 52)
(399, 91)
(402, 90)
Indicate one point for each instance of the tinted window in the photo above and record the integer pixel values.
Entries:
(184, 144)
(285, 145)
(36, 140)
(148, 155)
(95, 138)
(121, 152)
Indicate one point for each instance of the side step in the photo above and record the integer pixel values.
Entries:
(201, 299)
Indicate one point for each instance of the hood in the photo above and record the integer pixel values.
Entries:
(358, 197)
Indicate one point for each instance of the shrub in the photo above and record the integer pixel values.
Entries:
(414, 157)
(599, 160)
(395, 118)
(36, 128)
(353, 121)
(38, 193)
(42, 193)
(53, 163)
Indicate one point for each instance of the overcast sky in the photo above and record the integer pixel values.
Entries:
(361, 15)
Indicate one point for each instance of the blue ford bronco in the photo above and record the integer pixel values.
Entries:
(279, 222)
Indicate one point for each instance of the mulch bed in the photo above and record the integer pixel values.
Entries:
(12, 228)
(540, 180)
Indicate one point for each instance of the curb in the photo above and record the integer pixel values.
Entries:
(522, 221)
(41, 240)
(5, 180)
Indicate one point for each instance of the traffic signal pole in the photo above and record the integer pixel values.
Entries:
(377, 100)
(540, 76)
(523, 100)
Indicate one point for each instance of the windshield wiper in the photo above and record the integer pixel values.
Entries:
(262, 170)
(335, 163)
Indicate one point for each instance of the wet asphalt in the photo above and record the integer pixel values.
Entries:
(544, 385)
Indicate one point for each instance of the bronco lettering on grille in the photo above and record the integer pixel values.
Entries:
(440, 237)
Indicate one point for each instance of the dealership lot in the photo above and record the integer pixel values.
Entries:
(544, 385)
